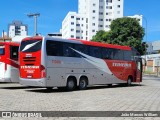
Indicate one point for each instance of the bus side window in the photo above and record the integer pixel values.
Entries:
(106, 53)
(53, 48)
(118, 54)
(14, 52)
(95, 52)
(127, 55)
(80, 48)
(2, 50)
(67, 50)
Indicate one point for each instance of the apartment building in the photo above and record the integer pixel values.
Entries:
(92, 16)
(17, 28)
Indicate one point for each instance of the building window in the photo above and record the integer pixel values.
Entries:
(93, 24)
(72, 36)
(72, 29)
(118, 6)
(93, 30)
(86, 20)
(108, 7)
(108, 1)
(94, 11)
(100, 19)
(77, 31)
(107, 26)
(118, 12)
(100, 25)
(77, 18)
(100, 13)
(94, 4)
(77, 37)
(100, 7)
(77, 24)
(110, 19)
(72, 16)
(72, 23)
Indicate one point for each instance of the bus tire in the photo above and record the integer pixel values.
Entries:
(83, 83)
(71, 84)
(129, 81)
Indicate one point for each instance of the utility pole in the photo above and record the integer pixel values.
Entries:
(35, 15)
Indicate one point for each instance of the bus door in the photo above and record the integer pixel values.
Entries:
(139, 70)
(2, 60)
(14, 63)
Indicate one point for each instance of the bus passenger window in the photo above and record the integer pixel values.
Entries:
(95, 52)
(80, 48)
(1, 50)
(14, 52)
(127, 55)
(117, 54)
(106, 53)
(53, 48)
(67, 50)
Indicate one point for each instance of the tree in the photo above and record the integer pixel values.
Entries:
(100, 36)
(123, 31)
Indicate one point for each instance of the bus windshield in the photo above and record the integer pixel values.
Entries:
(31, 45)
(1, 50)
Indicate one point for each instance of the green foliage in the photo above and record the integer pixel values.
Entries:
(123, 31)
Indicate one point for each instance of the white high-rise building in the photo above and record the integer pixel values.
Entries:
(92, 16)
(16, 28)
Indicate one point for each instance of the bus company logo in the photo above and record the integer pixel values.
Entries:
(56, 61)
(122, 65)
(28, 55)
(29, 67)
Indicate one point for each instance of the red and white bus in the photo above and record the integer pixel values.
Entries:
(9, 65)
(9, 62)
(54, 62)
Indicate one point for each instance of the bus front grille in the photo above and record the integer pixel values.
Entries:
(29, 61)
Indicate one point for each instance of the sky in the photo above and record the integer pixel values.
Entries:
(52, 13)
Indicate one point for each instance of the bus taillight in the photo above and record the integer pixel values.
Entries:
(43, 72)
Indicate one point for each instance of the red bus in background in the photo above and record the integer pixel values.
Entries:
(54, 62)
(9, 62)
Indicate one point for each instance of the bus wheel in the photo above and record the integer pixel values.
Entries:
(71, 84)
(83, 83)
(129, 81)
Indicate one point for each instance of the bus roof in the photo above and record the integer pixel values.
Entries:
(34, 38)
(98, 44)
(10, 43)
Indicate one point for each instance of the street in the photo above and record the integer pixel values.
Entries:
(143, 97)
